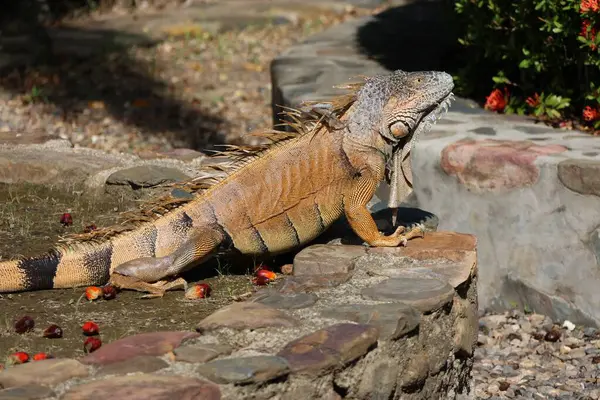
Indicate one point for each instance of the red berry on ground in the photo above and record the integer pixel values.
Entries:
(261, 281)
(265, 273)
(20, 357)
(91, 344)
(41, 356)
(53, 332)
(198, 291)
(93, 292)
(90, 328)
(25, 324)
(89, 228)
(109, 292)
(66, 219)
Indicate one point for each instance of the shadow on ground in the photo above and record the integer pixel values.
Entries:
(420, 35)
(73, 69)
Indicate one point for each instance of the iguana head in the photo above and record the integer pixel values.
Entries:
(396, 105)
(399, 107)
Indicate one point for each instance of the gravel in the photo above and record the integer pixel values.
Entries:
(529, 356)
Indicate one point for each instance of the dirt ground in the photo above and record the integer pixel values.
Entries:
(30, 224)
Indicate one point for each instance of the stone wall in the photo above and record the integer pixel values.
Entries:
(350, 322)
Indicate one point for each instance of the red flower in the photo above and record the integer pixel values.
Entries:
(497, 100)
(533, 101)
(591, 114)
(589, 5)
(591, 34)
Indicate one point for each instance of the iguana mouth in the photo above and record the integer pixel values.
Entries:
(432, 113)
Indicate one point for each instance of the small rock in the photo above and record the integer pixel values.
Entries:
(245, 315)
(590, 332)
(493, 321)
(537, 319)
(256, 369)
(569, 325)
(145, 386)
(572, 342)
(416, 371)
(577, 353)
(44, 372)
(565, 350)
(201, 353)
(494, 388)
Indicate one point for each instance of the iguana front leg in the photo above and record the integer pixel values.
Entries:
(138, 274)
(361, 220)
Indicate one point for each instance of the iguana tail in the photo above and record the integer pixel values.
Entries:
(81, 265)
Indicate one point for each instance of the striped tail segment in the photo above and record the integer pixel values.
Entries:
(81, 265)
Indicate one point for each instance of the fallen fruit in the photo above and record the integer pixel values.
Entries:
(41, 356)
(91, 344)
(552, 336)
(90, 328)
(20, 357)
(270, 275)
(93, 292)
(25, 324)
(53, 332)
(109, 292)
(89, 228)
(198, 291)
(261, 281)
(66, 219)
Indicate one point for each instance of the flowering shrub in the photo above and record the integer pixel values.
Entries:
(537, 57)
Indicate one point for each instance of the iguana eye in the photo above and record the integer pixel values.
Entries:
(399, 129)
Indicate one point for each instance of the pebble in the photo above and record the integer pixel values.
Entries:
(528, 356)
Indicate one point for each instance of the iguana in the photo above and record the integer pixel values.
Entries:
(273, 200)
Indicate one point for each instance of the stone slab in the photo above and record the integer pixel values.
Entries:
(393, 319)
(323, 260)
(143, 344)
(30, 392)
(425, 294)
(144, 364)
(44, 372)
(246, 315)
(145, 387)
(256, 369)
(329, 347)
(201, 353)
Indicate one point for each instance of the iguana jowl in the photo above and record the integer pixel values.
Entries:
(274, 201)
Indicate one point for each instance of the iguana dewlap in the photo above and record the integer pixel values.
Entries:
(274, 200)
